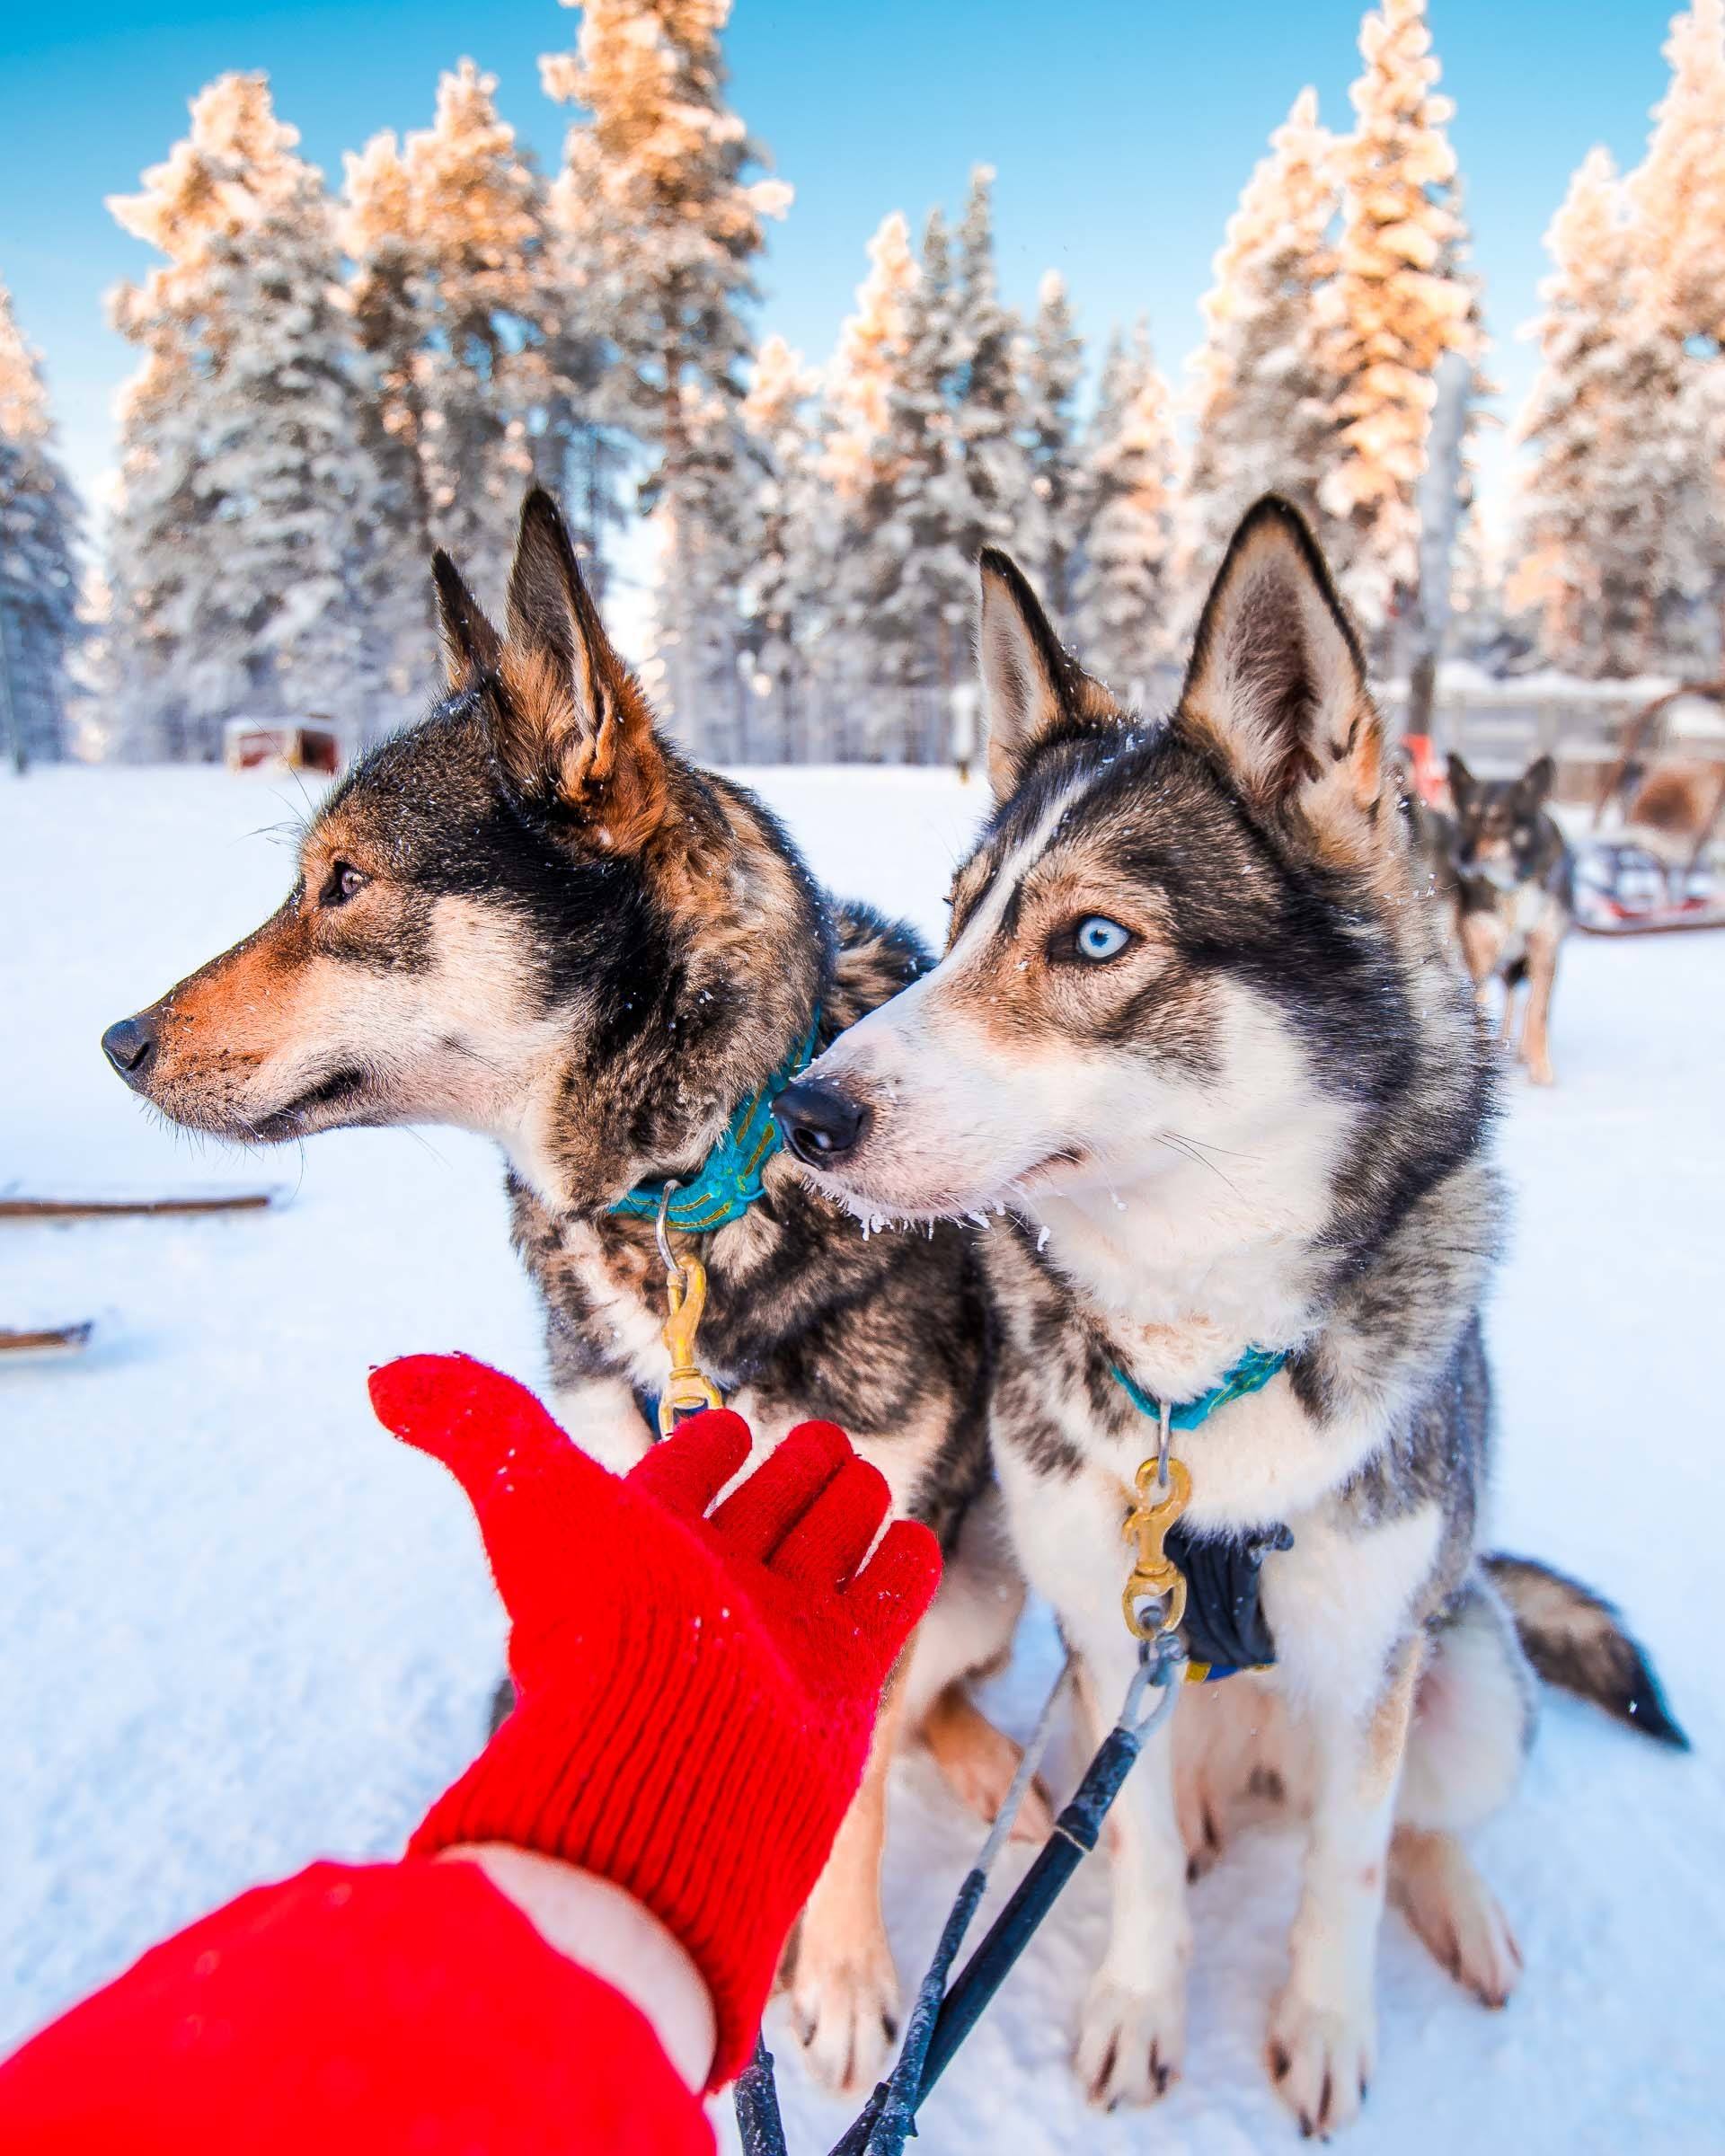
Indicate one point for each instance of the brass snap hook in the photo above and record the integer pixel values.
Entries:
(1165, 1489)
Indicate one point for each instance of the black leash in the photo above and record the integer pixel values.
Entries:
(943, 2017)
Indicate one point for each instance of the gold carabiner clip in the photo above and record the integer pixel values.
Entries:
(1155, 1577)
(688, 1389)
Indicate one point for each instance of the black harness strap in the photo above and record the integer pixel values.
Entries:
(1225, 1622)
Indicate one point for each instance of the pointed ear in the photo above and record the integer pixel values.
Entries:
(1276, 687)
(1462, 784)
(1537, 781)
(471, 646)
(573, 733)
(1030, 685)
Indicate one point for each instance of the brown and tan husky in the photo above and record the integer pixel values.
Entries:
(529, 916)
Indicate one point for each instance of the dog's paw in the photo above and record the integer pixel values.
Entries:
(1434, 1884)
(1321, 2058)
(978, 1762)
(844, 2007)
(1130, 2042)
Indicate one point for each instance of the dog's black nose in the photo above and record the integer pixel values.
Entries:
(129, 1047)
(820, 1124)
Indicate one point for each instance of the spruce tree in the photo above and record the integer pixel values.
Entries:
(656, 181)
(245, 490)
(1680, 195)
(961, 473)
(1679, 189)
(1053, 368)
(911, 572)
(1264, 401)
(852, 528)
(870, 352)
(1616, 505)
(787, 570)
(447, 237)
(1390, 312)
(1122, 611)
(40, 517)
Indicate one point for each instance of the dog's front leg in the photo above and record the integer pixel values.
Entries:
(1321, 2046)
(603, 1416)
(1132, 2033)
(844, 1987)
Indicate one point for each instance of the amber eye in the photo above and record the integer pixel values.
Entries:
(344, 881)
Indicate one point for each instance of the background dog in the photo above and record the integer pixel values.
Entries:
(1512, 886)
(528, 916)
(1197, 1029)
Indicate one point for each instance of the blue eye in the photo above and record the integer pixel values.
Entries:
(1099, 938)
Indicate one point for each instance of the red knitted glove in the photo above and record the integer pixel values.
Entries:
(694, 1696)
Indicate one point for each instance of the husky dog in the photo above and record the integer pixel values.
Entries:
(1512, 888)
(529, 916)
(1195, 1030)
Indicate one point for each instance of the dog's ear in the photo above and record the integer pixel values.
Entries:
(1276, 689)
(1462, 785)
(572, 730)
(1537, 781)
(1030, 685)
(471, 646)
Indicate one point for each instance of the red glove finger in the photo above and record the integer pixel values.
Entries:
(832, 1538)
(887, 1598)
(686, 1472)
(464, 1413)
(755, 1518)
(520, 1470)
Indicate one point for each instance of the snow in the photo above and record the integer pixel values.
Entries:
(243, 1628)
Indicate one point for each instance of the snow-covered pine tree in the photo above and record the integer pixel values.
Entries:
(447, 236)
(870, 352)
(903, 571)
(40, 517)
(245, 487)
(961, 473)
(1263, 400)
(1123, 602)
(656, 180)
(851, 531)
(993, 500)
(392, 303)
(1390, 311)
(1679, 188)
(1053, 367)
(1679, 192)
(786, 574)
(1616, 505)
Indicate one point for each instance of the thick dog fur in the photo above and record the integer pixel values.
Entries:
(1252, 1109)
(530, 917)
(1509, 880)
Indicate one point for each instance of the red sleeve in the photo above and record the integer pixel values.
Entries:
(353, 2011)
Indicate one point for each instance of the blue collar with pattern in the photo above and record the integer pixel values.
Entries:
(1251, 1373)
(730, 1178)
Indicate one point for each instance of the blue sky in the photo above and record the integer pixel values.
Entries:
(1121, 131)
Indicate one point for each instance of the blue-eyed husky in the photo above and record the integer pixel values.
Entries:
(1196, 1030)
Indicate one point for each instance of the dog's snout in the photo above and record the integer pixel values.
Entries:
(128, 1046)
(820, 1124)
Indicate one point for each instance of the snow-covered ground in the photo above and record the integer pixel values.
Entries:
(239, 1626)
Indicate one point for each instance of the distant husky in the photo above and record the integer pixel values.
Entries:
(529, 916)
(1512, 884)
(1195, 1030)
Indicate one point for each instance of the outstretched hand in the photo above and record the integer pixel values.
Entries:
(696, 1687)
